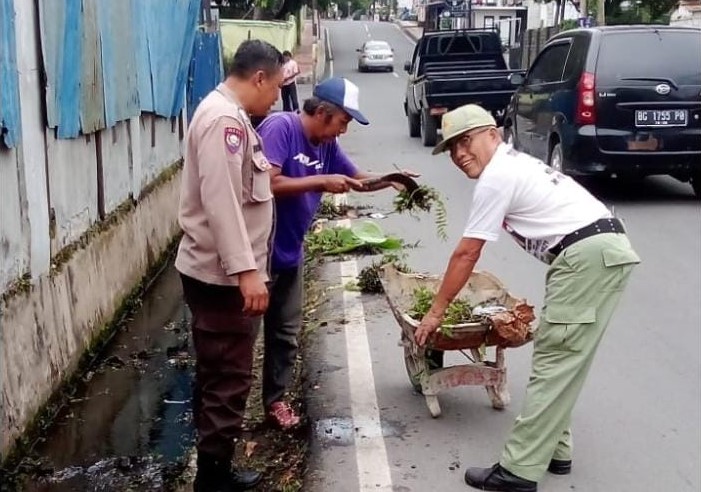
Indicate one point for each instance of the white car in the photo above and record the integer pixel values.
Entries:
(375, 55)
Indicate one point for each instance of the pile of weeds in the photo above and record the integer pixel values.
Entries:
(369, 277)
(459, 311)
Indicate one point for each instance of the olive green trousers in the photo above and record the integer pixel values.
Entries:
(583, 286)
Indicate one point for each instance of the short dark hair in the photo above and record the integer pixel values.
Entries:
(287, 53)
(314, 104)
(253, 55)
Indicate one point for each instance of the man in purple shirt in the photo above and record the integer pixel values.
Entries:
(306, 161)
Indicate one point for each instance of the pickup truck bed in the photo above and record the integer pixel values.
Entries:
(450, 69)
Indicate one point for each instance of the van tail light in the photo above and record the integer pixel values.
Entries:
(586, 101)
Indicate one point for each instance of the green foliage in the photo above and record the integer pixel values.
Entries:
(458, 312)
(329, 210)
(341, 240)
(568, 24)
(424, 198)
(356, 5)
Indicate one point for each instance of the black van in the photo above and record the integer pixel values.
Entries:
(614, 100)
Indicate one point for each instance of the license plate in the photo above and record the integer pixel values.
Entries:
(661, 117)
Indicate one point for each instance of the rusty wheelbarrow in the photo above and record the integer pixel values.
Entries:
(506, 323)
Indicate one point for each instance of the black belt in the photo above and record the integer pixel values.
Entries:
(601, 226)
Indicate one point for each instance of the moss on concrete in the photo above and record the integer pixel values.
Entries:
(20, 286)
(20, 460)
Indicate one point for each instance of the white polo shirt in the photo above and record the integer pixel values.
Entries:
(537, 205)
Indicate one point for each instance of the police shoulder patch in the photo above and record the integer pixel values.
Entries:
(233, 138)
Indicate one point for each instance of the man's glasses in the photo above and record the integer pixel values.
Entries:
(465, 141)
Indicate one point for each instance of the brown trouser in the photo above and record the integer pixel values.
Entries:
(223, 337)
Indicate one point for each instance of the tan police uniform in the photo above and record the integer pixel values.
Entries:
(226, 213)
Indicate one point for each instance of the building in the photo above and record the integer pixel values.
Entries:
(542, 14)
(507, 16)
(687, 13)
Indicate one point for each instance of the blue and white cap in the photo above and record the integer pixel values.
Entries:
(344, 93)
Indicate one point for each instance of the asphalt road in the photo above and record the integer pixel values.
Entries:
(636, 426)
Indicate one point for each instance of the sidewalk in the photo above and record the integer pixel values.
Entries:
(411, 28)
(304, 55)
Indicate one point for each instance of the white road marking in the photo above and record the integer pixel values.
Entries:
(370, 451)
(395, 74)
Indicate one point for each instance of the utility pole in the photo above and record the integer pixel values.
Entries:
(583, 9)
(600, 13)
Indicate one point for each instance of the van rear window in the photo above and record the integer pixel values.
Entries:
(670, 54)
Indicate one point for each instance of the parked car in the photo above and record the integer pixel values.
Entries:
(375, 55)
(616, 100)
(449, 69)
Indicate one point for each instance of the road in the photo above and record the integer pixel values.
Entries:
(636, 423)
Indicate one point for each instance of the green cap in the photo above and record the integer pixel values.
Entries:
(459, 121)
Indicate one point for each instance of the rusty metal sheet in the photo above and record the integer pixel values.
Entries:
(92, 108)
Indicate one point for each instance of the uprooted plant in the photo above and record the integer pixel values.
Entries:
(369, 277)
(458, 312)
(424, 199)
(364, 237)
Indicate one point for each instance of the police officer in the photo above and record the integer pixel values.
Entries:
(556, 220)
(226, 214)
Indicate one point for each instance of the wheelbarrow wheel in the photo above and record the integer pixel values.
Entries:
(416, 364)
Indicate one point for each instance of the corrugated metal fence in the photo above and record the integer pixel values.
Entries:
(9, 87)
(206, 69)
(108, 61)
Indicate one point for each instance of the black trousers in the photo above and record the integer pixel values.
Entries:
(282, 321)
(223, 338)
(289, 97)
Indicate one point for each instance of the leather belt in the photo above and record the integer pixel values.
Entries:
(601, 226)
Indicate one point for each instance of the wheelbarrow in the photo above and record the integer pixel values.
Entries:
(424, 365)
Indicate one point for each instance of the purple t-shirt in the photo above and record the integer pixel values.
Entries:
(286, 147)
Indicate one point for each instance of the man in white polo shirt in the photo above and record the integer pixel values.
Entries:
(556, 220)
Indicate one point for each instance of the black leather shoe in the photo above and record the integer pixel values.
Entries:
(235, 481)
(498, 479)
(560, 467)
(216, 475)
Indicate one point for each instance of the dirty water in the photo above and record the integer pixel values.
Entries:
(129, 427)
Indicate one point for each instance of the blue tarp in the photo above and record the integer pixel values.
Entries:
(205, 69)
(9, 83)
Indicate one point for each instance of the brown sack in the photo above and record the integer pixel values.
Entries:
(514, 326)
